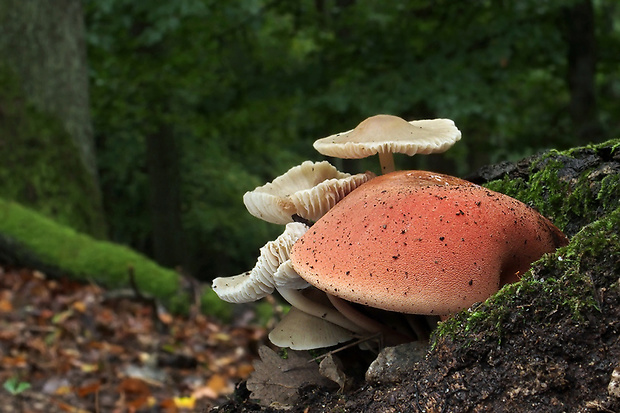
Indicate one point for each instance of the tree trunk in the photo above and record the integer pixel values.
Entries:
(581, 40)
(162, 159)
(45, 44)
(43, 50)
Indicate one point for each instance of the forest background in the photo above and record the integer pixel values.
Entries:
(143, 123)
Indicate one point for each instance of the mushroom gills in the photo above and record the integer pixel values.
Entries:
(260, 282)
(379, 324)
(308, 190)
(313, 307)
(388, 134)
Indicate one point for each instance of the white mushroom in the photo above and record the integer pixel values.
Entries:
(259, 282)
(300, 331)
(387, 134)
(308, 190)
(273, 271)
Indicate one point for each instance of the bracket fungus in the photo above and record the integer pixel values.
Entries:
(308, 190)
(388, 134)
(422, 243)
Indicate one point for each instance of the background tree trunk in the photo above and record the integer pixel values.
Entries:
(581, 40)
(44, 42)
(162, 160)
(43, 50)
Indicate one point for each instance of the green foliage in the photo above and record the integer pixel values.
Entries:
(247, 86)
(39, 163)
(569, 279)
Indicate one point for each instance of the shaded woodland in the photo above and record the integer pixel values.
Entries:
(194, 102)
(129, 132)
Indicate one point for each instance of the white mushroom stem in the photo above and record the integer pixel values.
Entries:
(367, 323)
(299, 301)
(386, 159)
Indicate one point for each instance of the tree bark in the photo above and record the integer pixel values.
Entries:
(581, 39)
(43, 48)
(45, 41)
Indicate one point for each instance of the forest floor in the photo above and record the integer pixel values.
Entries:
(79, 348)
(82, 349)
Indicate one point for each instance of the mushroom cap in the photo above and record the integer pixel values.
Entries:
(308, 190)
(300, 331)
(388, 133)
(422, 243)
(272, 270)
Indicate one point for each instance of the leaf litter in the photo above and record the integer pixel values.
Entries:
(276, 380)
(81, 349)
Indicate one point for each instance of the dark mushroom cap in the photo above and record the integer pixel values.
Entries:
(422, 243)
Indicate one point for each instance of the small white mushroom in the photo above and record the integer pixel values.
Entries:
(308, 190)
(301, 331)
(387, 134)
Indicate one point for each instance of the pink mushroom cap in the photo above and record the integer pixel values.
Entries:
(422, 243)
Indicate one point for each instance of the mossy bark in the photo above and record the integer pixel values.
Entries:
(30, 239)
(47, 158)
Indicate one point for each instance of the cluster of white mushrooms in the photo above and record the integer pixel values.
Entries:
(412, 242)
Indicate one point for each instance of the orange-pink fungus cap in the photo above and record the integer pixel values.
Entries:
(422, 243)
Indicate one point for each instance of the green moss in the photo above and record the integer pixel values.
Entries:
(40, 166)
(59, 248)
(558, 282)
(610, 189)
(560, 190)
(213, 305)
(565, 282)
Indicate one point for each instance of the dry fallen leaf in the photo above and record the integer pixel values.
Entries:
(94, 354)
(331, 367)
(66, 407)
(187, 403)
(89, 388)
(5, 305)
(277, 380)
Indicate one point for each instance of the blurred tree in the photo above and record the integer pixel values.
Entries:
(47, 159)
(581, 39)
